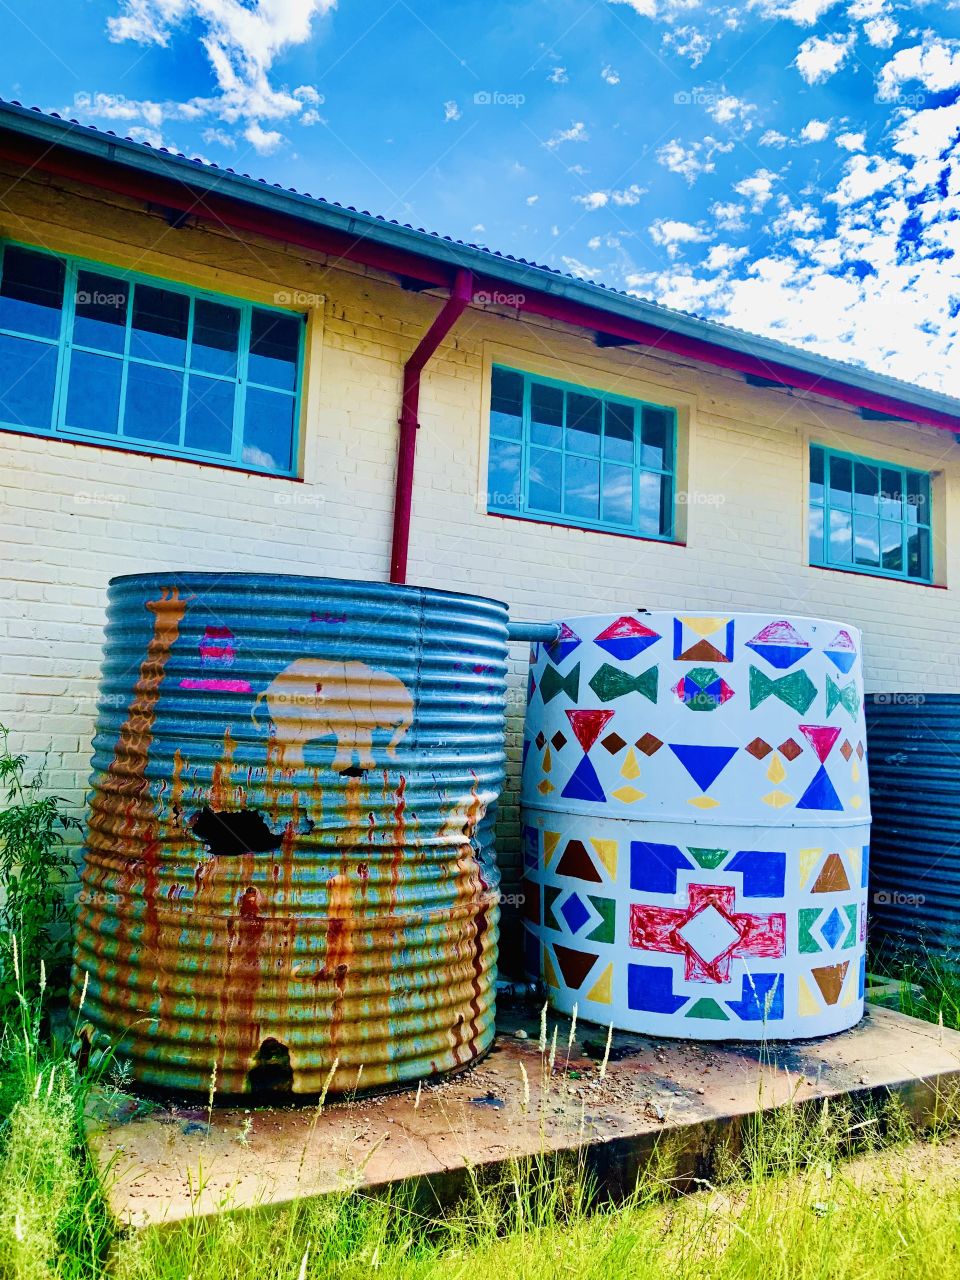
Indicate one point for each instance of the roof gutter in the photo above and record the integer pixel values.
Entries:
(240, 203)
(450, 313)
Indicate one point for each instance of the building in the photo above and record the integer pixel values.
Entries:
(199, 370)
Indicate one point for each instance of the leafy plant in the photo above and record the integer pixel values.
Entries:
(34, 857)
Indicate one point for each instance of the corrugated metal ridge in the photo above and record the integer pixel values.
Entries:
(405, 238)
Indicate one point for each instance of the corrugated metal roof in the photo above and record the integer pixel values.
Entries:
(159, 161)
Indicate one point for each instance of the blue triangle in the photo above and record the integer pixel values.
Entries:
(761, 998)
(704, 764)
(584, 783)
(623, 648)
(842, 659)
(526, 748)
(780, 656)
(821, 793)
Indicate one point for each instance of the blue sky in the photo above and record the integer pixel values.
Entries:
(788, 166)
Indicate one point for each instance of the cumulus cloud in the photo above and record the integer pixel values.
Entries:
(578, 268)
(851, 141)
(693, 160)
(576, 133)
(815, 131)
(728, 215)
(728, 109)
(600, 199)
(451, 111)
(609, 76)
(935, 65)
(820, 57)
(757, 189)
(803, 12)
(558, 75)
(687, 42)
(672, 233)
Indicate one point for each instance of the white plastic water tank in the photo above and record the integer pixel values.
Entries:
(696, 823)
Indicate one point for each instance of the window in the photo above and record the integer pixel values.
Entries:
(869, 516)
(90, 353)
(573, 456)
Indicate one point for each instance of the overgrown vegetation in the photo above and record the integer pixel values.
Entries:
(788, 1205)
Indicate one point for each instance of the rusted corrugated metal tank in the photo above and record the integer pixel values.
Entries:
(914, 742)
(290, 854)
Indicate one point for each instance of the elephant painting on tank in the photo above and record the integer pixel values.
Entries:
(316, 698)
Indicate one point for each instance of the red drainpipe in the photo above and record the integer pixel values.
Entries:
(453, 308)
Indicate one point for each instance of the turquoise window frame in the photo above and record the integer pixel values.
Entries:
(116, 440)
(526, 511)
(823, 512)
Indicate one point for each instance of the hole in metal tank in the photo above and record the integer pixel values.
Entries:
(272, 1072)
(230, 832)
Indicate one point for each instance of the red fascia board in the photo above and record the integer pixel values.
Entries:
(234, 214)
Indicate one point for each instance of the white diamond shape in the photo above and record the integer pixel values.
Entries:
(709, 933)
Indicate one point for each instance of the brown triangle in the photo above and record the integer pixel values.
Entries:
(830, 980)
(577, 862)
(832, 877)
(703, 651)
(574, 965)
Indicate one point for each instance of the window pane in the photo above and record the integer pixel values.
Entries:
(28, 377)
(656, 436)
(618, 432)
(209, 422)
(840, 550)
(816, 535)
(582, 488)
(544, 484)
(31, 292)
(651, 522)
(918, 498)
(816, 475)
(93, 396)
(506, 404)
(918, 554)
(503, 476)
(891, 493)
(268, 430)
(159, 325)
(866, 532)
(546, 414)
(216, 336)
(841, 482)
(866, 489)
(100, 311)
(274, 349)
(617, 495)
(153, 402)
(584, 415)
(891, 546)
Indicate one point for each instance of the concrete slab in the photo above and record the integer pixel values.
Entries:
(161, 1163)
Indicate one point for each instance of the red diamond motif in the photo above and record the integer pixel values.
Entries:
(758, 748)
(649, 744)
(846, 750)
(613, 743)
(791, 749)
(540, 740)
(559, 741)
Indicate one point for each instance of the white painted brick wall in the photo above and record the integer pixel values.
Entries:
(75, 515)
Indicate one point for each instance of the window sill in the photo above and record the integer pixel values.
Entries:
(579, 528)
(877, 577)
(118, 446)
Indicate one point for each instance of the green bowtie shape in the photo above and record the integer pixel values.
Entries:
(552, 683)
(848, 697)
(612, 682)
(797, 690)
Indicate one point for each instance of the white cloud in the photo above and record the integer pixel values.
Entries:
(820, 57)
(594, 200)
(881, 32)
(629, 195)
(793, 221)
(693, 160)
(728, 109)
(757, 189)
(728, 216)
(672, 233)
(451, 111)
(532, 199)
(577, 268)
(262, 140)
(723, 256)
(576, 133)
(773, 138)
(928, 134)
(804, 12)
(219, 137)
(864, 176)
(851, 141)
(558, 75)
(609, 76)
(935, 65)
(242, 42)
(815, 131)
(687, 42)
(665, 10)
(600, 199)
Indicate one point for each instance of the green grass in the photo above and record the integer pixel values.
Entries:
(788, 1204)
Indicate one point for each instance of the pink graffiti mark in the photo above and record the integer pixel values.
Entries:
(210, 684)
(216, 647)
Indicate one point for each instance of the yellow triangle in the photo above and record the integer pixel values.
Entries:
(776, 772)
(808, 860)
(628, 794)
(856, 802)
(807, 1003)
(853, 987)
(855, 858)
(607, 853)
(602, 989)
(547, 761)
(777, 799)
(855, 772)
(704, 802)
(550, 973)
(550, 841)
(545, 787)
(631, 769)
(704, 626)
